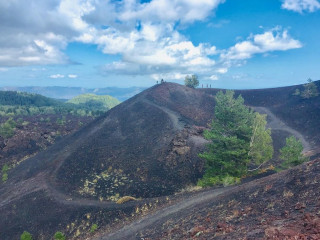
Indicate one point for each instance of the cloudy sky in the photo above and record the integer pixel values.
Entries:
(99, 43)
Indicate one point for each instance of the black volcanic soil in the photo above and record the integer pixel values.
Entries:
(145, 147)
(142, 148)
(34, 134)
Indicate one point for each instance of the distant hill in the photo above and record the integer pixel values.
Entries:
(70, 92)
(11, 98)
(95, 102)
(14, 104)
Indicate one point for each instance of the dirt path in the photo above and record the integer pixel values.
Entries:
(174, 116)
(276, 124)
(129, 232)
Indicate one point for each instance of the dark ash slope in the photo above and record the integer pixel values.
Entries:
(145, 147)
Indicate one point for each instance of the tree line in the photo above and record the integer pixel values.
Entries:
(23, 104)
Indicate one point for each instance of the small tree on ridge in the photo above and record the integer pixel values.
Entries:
(310, 90)
(191, 81)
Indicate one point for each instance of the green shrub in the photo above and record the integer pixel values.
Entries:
(26, 236)
(291, 153)
(207, 181)
(5, 168)
(93, 228)
(25, 123)
(4, 177)
(226, 180)
(229, 180)
(310, 90)
(4, 171)
(7, 128)
(297, 92)
(61, 121)
(59, 236)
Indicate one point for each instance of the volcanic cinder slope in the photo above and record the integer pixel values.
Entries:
(145, 147)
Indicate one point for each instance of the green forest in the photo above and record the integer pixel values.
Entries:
(94, 102)
(23, 104)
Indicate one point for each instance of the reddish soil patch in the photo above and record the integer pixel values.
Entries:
(281, 206)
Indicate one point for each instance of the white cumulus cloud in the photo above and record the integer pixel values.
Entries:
(37, 32)
(213, 77)
(72, 76)
(57, 76)
(301, 5)
(269, 41)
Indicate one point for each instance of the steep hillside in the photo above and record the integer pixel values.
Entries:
(143, 149)
(146, 147)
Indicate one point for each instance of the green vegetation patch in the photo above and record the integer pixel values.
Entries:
(26, 236)
(105, 185)
(26, 104)
(310, 90)
(59, 236)
(291, 153)
(95, 102)
(4, 172)
(93, 228)
(7, 128)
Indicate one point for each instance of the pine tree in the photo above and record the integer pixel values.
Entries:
(230, 134)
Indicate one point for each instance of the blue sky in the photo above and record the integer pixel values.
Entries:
(100, 43)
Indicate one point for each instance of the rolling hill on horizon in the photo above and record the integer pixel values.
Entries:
(67, 93)
(95, 102)
(146, 147)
